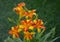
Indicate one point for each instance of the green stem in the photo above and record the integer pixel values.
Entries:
(18, 22)
(11, 20)
(25, 8)
(41, 33)
(36, 16)
(28, 40)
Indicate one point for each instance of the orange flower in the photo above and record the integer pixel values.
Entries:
(21, 4)
(14, 32)
(27, 24)
(28, 35)
(19, 9)
(39, 24)
(30, 13)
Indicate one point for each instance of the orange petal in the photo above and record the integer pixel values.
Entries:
(21, 4)
(10, 32)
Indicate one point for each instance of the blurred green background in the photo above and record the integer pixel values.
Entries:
(47, 10)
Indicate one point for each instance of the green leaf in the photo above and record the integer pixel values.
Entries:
(17, 40)
(13, 40)
(39, 35)
(11, 20)
(54, 39)
(46, 36)
(9, 40)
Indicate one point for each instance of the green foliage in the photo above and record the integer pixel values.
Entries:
(8, 40)
(12, 40)
(40, 37)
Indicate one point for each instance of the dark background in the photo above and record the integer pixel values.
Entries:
(48, 11)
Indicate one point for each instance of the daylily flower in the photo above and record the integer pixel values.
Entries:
(14, 32)
(28, 35)
(30, 14)
(19, 9)
(27, 24)
(39, 24)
